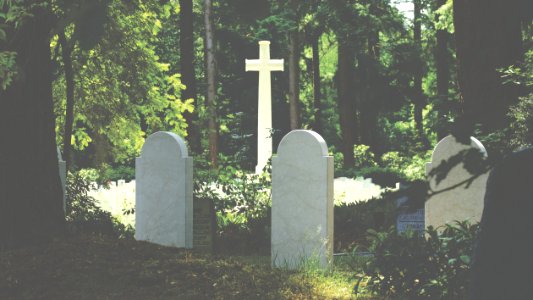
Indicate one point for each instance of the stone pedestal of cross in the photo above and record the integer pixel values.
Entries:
(264, 65)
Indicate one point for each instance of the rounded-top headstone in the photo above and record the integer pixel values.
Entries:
(172, 144)
(446, 149)
(163, 173)
(302, 201)
(302, 144)
(454, 201)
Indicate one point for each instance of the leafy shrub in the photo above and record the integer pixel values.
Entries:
(408, 266)
(90, 175)
(83, 214)
(242, 204)
(522, 113)
(238, 237)
(117, 173)
(411, 168)
(352, 221)
(363, 156)
(392, 168)
(108, 173)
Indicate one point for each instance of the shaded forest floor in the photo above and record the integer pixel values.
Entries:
(99, 267)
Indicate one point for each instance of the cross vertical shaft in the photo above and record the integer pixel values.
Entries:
(264, 65)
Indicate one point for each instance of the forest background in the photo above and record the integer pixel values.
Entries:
(380, 87)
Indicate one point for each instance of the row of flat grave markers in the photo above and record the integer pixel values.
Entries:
(302, 198)
(458, 204)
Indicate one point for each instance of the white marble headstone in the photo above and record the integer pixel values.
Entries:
(63, 177)
(460, 203)
(163, 205)
(302, 201)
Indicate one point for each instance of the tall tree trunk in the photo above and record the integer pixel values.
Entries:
(69, 111)
(442, 65)
(188, 74)
(211, 82)
(294, 68)
(367, 69)
(346, 100)
(418, 96)
(317, 126)
(31, 202)
(488, 37)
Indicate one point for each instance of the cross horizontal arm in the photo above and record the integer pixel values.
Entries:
(252, 64)
(276, 65)
(260, 65)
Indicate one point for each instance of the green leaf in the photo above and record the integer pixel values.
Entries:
(465, 259)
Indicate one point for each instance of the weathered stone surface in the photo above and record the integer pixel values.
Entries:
(302, 201)
(63, 177)
(204, 225)
(460, 203)
(164, 208)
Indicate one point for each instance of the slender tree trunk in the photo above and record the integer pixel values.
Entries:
(367, 70)
(317, 102)
(346, 100)
(69, 111)
(418, 95)
(188, 74)
(31, 203)
(211, 82)
(488, 37)
(442, 65)
(294, 69)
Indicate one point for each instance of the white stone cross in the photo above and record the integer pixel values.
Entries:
(264, 65)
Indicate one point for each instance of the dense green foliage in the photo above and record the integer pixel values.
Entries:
(84, 215)
(409, 266)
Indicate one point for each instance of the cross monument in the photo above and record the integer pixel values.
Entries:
(264, 65)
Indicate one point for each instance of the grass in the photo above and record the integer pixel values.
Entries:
(89, 266)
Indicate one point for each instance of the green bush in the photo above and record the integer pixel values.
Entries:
(107, 173)
(242, 204)
(363, 156)
(352, 221)
(409, 266)
(410, 168)
(84, 215)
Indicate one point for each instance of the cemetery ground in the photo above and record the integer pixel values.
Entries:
(99, 266)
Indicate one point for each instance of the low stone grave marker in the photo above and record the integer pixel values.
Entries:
(164, 207)
(204, 225)
(408, 219)
(302, 201)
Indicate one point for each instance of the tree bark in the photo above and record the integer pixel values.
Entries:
(188, 74)
(442, 65)
(31, 202)
(418, 96)
(367, 70)
(69, 110)
(211, 82)
(488, 37)
(317, 102)
(294, 69)
(346, 100)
